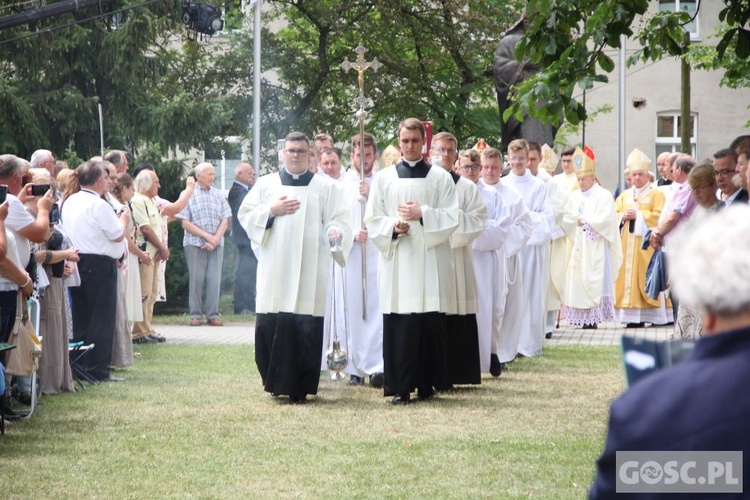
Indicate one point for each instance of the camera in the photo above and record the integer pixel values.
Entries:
(39, 189)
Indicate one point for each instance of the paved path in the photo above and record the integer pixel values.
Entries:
(243, 333)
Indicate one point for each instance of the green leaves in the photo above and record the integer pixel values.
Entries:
(569, 41)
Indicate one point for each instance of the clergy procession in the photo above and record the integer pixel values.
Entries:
(423, 273)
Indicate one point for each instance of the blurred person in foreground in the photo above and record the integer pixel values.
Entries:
(697, 405)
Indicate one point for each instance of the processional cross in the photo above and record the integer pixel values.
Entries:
(360, 65)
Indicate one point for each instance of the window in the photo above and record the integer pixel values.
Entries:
(224, 154)
(668, 133)
(688, 6)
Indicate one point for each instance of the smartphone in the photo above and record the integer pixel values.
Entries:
(54, 215)
(39, 189)
(3, 192)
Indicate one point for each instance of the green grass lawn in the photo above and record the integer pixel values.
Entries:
(194, 422)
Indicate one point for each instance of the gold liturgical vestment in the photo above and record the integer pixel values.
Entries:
(630, 287)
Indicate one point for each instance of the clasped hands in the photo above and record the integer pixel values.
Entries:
(409, 211)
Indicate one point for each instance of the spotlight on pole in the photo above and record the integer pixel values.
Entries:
(202, 17)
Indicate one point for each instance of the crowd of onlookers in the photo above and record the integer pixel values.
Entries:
(89, 247)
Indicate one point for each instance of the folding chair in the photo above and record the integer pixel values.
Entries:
(77, 353)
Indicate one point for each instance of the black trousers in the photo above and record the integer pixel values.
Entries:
(463, 349)
(288, 350)
(245, 270)
(414, 352)
(93, 305)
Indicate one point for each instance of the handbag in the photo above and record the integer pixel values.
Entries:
(24, 359)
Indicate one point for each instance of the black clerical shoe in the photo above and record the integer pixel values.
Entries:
(376, 380)
(495, 366)
(425, 393)
(298, 400)
(548, 335)
(635, 325)
(401, 399)
(590, 326)
(355, 380)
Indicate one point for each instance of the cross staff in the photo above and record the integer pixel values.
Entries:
(360, 65)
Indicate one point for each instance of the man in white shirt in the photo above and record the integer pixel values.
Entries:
(95, 230)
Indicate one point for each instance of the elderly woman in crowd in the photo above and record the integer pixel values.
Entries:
(123, 191)
(703, 185)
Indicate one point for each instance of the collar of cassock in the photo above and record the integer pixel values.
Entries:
(413, 170)
(302, 179)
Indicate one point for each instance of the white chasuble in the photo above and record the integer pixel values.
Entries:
(596, 254)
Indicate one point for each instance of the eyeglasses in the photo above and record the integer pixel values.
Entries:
(473, 166)
(296, 151)
(699, 188)
(722, 173)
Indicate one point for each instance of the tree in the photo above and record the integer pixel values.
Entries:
(567, 39)
(156, 89)
(436, 64)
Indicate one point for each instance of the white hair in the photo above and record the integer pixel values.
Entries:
(709, 264)
(201, 167)
(40, 156)
(143, 181)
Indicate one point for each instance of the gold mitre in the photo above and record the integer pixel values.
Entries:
(480, 146)
(638, 161)
(390, 156)
(549, 159)
(584, 162)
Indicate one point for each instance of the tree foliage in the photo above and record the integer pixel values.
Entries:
(568, 38)
(151, 82)
(436, 64)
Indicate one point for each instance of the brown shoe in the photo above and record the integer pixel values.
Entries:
(214, 322)
(195, 322)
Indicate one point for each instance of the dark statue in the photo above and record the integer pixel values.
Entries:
(509, 72)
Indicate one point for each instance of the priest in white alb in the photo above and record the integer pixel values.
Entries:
(297, 222)
(411, 214)
(489, 262)
(363, 336)
(513, 313)
(535, 255)
(591, 223)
